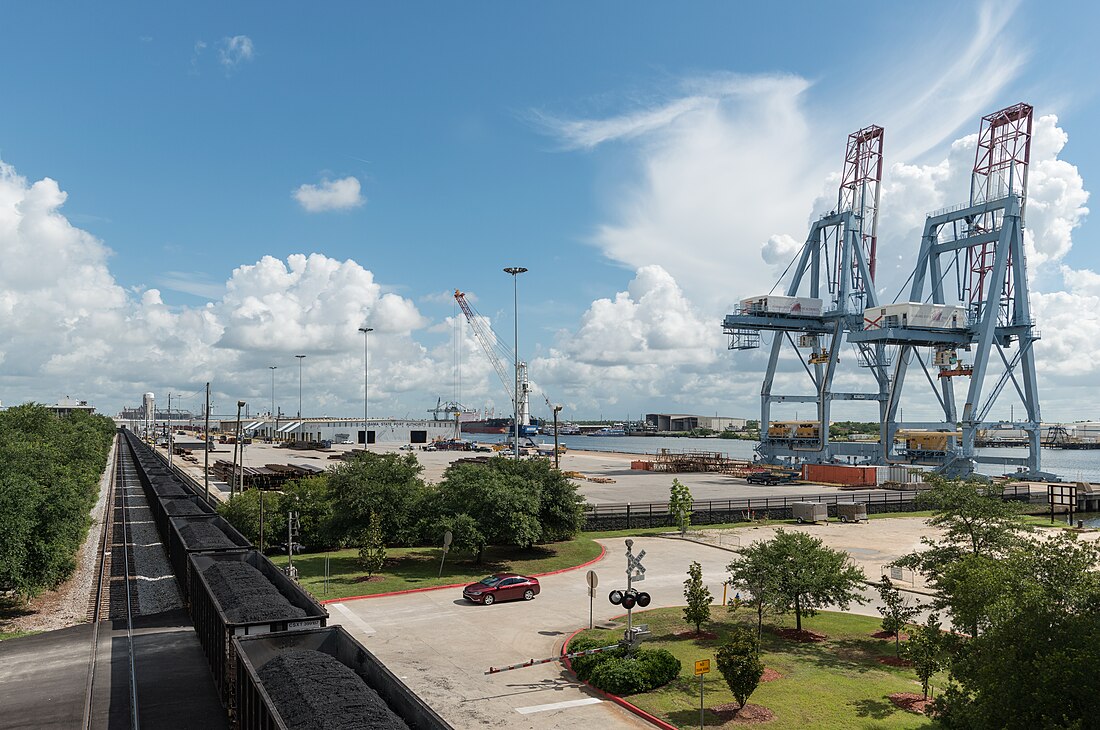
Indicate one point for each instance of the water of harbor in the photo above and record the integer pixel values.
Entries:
(1070, 465)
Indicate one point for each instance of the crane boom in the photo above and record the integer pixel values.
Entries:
(486, 338)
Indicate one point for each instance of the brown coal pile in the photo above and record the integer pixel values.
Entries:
(314, 691)
(246, 595)
(204, 536)
(182, 507)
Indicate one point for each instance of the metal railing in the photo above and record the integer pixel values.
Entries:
(650, 511)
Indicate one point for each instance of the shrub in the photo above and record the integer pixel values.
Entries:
(642, 671)
(583, 665)
(740, 665)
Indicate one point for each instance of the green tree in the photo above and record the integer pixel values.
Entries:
(1035, 661)
(925, 649)
(979, 529)
(310, 498)
(500, 501)
(753, 574)
(806, 575)
(739, 662)
(698, 598)
(50, 471)
(388, 484)
(897, 611)
(372, 551)
(243, 512)
(679, 505)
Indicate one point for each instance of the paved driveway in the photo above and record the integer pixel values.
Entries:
(441, 646)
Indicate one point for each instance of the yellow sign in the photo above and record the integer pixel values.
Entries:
(702, 666)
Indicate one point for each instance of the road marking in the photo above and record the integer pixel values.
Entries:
(358, 622)
(558, 705)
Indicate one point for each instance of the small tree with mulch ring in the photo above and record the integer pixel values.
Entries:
(925, 649)
(739, 662)
(679, 505)
(698, 598)
(897, 611)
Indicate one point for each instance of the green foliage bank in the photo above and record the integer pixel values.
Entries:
(49, 481)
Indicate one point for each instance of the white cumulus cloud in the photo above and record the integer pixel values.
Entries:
(330, 195)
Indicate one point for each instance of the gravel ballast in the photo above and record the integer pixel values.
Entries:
(314, 691)
(246, 595)
(204, 536)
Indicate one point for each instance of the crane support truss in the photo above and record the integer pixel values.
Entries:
(837, 254)
(980, 249)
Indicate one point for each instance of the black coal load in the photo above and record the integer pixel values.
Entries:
(246, 596)
(206, 536)
(166, 488)
(178, 507)
(315, 691)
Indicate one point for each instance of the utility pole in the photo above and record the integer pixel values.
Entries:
(273, 368)
(206, 448)
(300, 358)
(169, 430)
(237, 449)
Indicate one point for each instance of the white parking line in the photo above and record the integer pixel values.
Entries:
(350, 616)
(558, 705)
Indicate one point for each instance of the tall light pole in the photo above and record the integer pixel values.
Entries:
(366, 378)
(300, 357)
(273, 368)
(515, 271)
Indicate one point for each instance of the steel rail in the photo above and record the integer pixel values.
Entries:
(108, 519)
(134, 722)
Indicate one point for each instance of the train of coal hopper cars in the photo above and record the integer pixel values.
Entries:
(275, 662)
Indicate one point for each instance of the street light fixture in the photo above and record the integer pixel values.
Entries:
(300, 357)
(366, 378)
(515, 271)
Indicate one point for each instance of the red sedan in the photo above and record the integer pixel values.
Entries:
(501, 587)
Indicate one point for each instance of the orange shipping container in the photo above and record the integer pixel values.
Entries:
(855, 476)
(643, 465)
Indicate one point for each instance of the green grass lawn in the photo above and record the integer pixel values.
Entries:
(834, 684)
(15, 634)
(407, 568)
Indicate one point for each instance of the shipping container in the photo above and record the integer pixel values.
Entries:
(641, 465)
(215, 627)
(914, 315)
(900, 474)
(851, 511)
(809, 512)
(776, 304)
(186, 536)
(257, 711)
(853, 476)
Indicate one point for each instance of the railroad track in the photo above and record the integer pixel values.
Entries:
(114, 594)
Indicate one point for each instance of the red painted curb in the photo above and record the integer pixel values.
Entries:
(615, 698)
(596, 559)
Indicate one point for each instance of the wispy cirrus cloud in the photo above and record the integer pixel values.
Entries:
(235, 50)
(328, 195)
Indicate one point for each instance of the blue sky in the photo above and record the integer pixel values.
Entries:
(587, 142)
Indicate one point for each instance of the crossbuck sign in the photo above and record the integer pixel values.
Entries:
(635, 571)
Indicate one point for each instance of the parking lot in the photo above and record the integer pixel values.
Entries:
(441, 645)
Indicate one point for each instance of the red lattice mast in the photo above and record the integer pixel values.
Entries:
(1000, 167)
(859, 188)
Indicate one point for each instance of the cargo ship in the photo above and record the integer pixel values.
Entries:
(487, 425)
